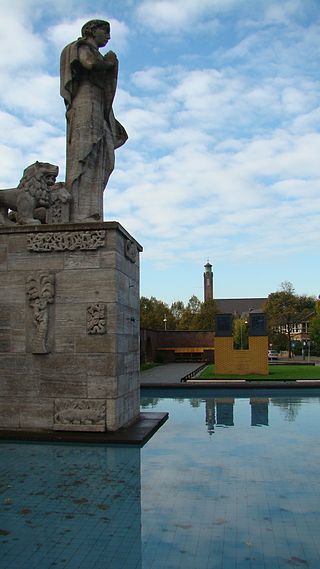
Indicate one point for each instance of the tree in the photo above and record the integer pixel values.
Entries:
(314, 330)
(177, 309)
(153, 312)
(240, 334)
(196, 315)
(188, 320)
(206, 316)
(285, 308)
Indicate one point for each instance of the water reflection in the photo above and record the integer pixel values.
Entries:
(219, 411)
(259, 411)
(242, 496)
(248, 499)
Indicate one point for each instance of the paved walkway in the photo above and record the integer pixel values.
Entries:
(166, 374)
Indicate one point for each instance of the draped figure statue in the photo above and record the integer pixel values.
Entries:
(88, 85)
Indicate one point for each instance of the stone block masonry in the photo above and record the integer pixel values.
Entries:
(69, 327)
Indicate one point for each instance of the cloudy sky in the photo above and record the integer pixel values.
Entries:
(221, 101)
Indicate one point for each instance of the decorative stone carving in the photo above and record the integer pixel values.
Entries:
(40, 293)
(80, 415)
(96, 318)
(35, 193)
(131, 250)
(59, 210)
(66, 241)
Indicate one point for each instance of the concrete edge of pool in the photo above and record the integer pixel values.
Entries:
(136, 434)
(231, 384)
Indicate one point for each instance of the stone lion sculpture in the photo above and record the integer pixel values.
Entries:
(27, 204)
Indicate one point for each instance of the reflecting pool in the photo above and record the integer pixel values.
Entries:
(230, 481)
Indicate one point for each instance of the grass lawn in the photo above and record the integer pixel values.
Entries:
(276, 373)
(149, 365)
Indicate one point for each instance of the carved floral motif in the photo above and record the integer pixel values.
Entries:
(40, 293)
(66, 241)
(96, 318)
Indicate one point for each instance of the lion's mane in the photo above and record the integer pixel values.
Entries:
(34, 182)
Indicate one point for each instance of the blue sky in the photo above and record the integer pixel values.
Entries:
(221, 101)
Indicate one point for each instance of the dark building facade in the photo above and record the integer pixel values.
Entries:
(176, 345)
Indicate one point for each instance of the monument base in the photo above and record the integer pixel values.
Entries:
(69, 328)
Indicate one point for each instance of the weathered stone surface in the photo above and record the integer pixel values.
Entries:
(102, 386)
(97, 344)
(23, 261)
(79, 260)
(81, 365)
(79, 286)
(36, 414)
(104, 365)
(61, 376)
(122, 411)
(3, 257)
(70, 322)
(9, 413)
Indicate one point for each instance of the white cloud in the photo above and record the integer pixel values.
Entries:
(221, 157)
(170, 15)
(282, 13)
(33, 94)
(20, 46)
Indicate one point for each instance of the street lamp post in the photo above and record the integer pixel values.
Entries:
(165, 321)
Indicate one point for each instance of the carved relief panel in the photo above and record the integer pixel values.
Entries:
(40, 292)
(96, 318)
(80, 415)
(66, 241)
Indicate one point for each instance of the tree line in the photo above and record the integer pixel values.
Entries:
(194, 315)
(284, 309)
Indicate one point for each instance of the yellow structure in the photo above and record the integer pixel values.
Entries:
(231, 361)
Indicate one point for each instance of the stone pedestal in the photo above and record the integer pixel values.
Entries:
(69, 327)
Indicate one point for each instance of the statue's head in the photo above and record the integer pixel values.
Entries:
(89, 29)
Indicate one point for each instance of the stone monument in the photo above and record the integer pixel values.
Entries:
(69, 306)
(88, 83)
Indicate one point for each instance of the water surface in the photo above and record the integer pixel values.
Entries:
(230, 481)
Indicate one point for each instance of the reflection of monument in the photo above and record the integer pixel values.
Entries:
(210, 415)
(259, 411)
(69, 305)
(219, 412)
(225, 411)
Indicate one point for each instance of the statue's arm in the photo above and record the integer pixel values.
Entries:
(90, 61)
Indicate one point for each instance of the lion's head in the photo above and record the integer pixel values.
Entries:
(37, 180)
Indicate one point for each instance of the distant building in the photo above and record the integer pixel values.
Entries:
(208, 282)
(240, 306)
(236, 306)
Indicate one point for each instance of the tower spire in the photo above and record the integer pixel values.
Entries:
(208, 281)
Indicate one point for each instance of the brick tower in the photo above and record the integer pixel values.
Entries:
(208, 282)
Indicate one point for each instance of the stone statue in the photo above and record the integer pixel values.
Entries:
(88, 85)
(29, 202)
